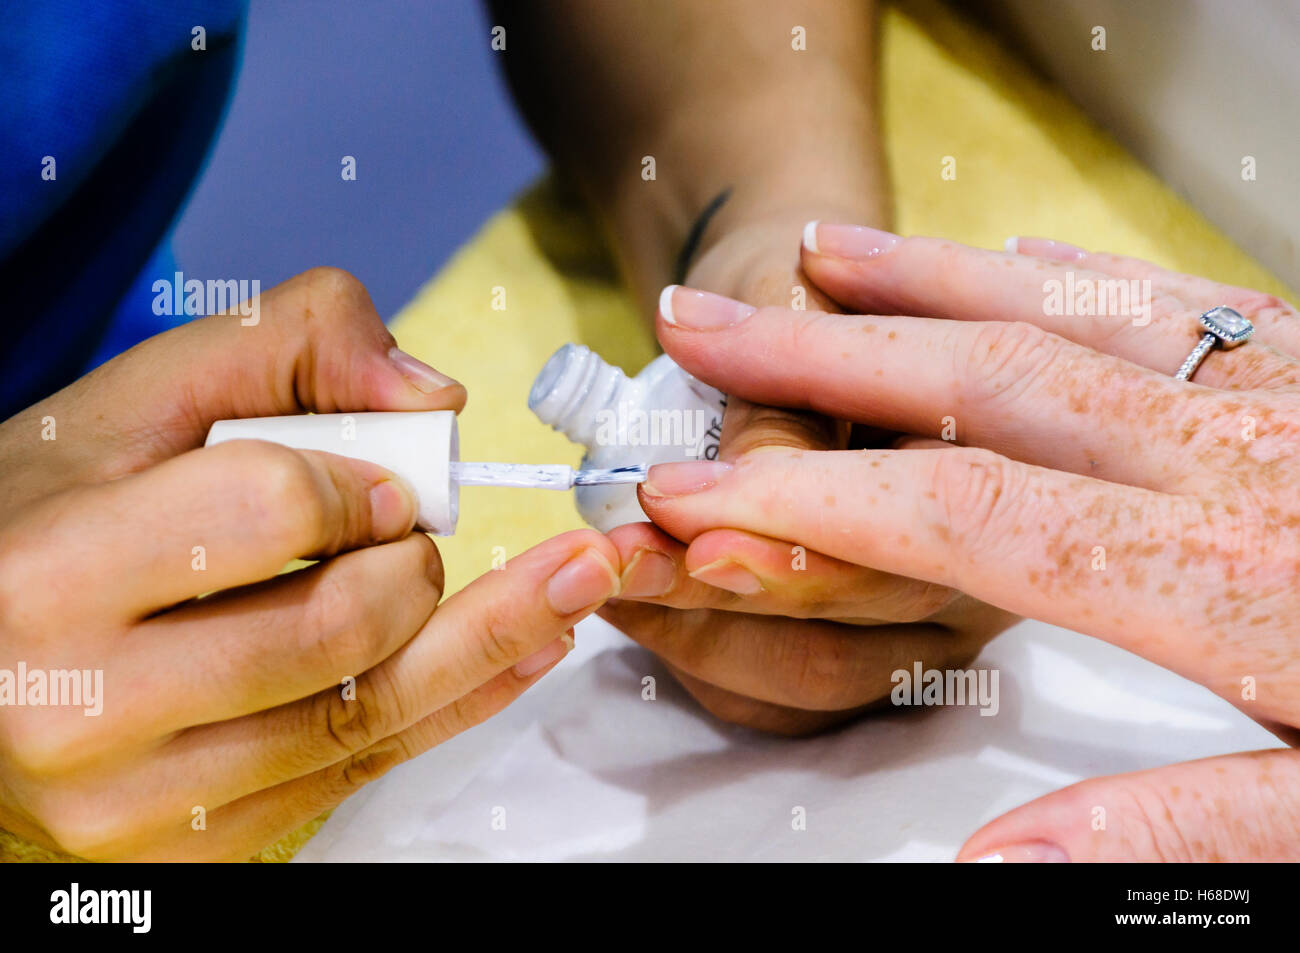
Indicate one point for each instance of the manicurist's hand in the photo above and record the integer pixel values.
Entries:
(1089, 489)
(218, 705)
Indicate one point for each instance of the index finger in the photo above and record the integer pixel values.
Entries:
(1059, 547)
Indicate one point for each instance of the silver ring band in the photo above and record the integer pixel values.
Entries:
(1224, 328)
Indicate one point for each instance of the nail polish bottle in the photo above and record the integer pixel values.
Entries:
(662, 415)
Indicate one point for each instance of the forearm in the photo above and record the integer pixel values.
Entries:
(715, 94)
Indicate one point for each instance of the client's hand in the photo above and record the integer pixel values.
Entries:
(1093, 490)
(142, 719)
(759, 632)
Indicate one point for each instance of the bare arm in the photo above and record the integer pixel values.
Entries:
(718, 95)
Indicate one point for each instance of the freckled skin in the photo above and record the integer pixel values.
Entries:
(1161, 516)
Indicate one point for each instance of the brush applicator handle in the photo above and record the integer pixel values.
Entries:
(419, 446)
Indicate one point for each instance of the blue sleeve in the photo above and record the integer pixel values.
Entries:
(106, 114)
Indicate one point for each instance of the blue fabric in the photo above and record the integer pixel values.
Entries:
(114, 92)
(134, 320)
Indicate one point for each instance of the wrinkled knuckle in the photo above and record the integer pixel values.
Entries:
(339, 627)
(979, 493)
(356, 771)
(1007, 360)
(501, 643)
(335, 285)
(292, 506)
(354, 723)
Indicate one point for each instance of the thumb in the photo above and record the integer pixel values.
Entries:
(1238, 807)
(313, 343)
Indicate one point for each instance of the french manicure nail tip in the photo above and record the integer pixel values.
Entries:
(810, 236)
(666, 303)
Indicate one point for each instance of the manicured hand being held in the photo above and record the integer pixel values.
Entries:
(1089, 489)
(761, 633)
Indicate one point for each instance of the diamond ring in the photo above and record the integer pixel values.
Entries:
(1224, 328)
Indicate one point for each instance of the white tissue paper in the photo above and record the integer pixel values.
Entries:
(582, 767)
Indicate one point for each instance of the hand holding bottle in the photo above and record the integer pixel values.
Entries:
(217, 704)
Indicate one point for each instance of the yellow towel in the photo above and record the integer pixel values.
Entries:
(1027, 162)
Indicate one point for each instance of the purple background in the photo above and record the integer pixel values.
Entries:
(412, 90)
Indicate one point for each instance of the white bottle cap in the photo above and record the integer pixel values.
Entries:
(570, 390)
(418, 446)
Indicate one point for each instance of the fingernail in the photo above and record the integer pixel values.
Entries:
(584, 580)
(700, 310)
(650, 573)
(417, 373)
(544, 657)
(728, 575)
(1035, 852)
(810, 236)
(678, 479)
(848, 241)
(1044, 248)
(392, 509)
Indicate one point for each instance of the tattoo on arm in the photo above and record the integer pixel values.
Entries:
(692, 243)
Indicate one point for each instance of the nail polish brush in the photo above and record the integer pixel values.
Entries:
(421, 447)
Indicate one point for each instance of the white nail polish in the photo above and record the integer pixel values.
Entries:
(1012, 245)
(810, 236)
(666, 303)
(663, 415)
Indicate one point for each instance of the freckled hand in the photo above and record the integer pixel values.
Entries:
(542, 476)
